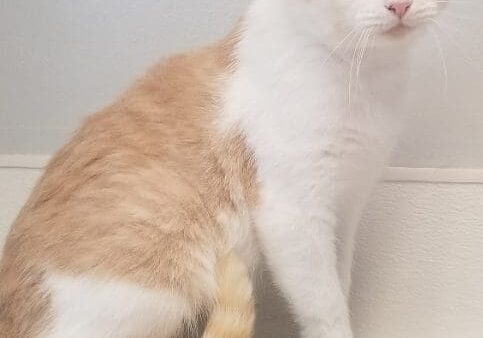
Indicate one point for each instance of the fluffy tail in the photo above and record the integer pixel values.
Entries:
(234, 313)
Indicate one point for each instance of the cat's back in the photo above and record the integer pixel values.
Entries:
(156, 128)
(134, 180)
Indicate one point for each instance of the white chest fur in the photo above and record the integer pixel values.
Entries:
(306, 122)
(318, 152)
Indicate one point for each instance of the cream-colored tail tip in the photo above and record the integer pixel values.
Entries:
(234, 313)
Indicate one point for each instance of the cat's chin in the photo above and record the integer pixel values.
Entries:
(398, 34)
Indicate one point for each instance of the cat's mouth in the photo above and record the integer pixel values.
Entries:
(397, 31)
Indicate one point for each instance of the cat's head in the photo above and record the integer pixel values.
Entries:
(386, 20)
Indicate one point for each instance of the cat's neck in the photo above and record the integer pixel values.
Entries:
(287, 77)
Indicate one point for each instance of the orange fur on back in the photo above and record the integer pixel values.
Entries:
(134, 197)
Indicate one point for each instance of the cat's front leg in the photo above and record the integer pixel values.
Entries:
(352, 199)
(349, 215)
(298, 237)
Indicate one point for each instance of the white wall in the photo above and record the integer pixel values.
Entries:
(63, 59)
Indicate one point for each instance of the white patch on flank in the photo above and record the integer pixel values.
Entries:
(88, 307)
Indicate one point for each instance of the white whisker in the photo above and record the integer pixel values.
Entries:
(443, 59)
(353, 64)
(331, 54)
(373, 41)
(459, 48)
(471, 2)
(368, 34)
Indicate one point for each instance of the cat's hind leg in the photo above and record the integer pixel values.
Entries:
(90, 307)
(61, 305)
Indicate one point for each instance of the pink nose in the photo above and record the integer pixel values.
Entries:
(400, 8)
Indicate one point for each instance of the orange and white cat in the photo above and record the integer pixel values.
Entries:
(267, 143)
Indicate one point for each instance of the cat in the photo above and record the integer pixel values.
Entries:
(263, 145)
